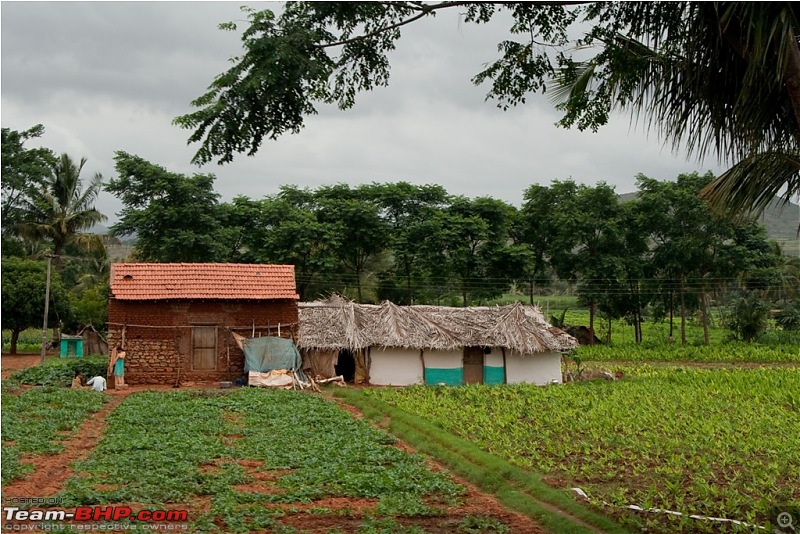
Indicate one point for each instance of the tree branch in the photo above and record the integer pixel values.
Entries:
(424, 11)
(793, 75)
(427, 9)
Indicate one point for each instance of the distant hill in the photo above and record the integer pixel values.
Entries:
(118, 251)
(780, 220)
(98, 229)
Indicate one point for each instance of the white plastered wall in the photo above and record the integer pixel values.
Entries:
(394, 366)
(538, 369)
(494, 358)
(444, 359)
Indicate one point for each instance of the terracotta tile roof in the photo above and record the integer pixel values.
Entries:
(172, 281)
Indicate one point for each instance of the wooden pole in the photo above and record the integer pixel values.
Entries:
(46, 308)
(505, 367)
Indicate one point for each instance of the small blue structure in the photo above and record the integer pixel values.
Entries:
(71, 346)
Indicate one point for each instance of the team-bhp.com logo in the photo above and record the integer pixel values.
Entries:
(92, 513)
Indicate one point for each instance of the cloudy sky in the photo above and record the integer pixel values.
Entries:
(108, 76)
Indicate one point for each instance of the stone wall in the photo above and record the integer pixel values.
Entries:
(158, 335)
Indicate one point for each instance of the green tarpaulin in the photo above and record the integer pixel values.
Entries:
(264, 354)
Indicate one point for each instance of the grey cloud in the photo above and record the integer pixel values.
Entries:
(106, 76)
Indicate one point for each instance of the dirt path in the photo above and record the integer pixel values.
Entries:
(51, 471)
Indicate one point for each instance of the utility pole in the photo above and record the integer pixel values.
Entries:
(46, 308)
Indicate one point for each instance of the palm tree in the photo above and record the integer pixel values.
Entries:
(719, 78)
(60, 209)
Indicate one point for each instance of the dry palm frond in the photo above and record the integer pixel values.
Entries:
(341, 324)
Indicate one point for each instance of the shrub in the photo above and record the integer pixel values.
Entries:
(750, 318)
(59, 372)
(789, 317)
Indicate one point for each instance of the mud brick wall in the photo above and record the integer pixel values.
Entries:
(158, 335)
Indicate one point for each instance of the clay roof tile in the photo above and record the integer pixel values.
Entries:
(230, 281)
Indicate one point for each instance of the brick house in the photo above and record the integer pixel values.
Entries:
(176, 319)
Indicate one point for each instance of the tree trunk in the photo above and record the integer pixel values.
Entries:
(683, 314)
(636, 326)
(608, 335)
(637, 315)
(531, 291)
(671, 318)
(704, 307)
(14, 339)
(793, 74)
(639, 322)
(591, 323)
(409, 298)
(358, 285)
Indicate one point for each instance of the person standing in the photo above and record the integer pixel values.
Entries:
(116, 366)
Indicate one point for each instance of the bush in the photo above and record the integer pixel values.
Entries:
(789, 317)
(59, 372)
(750, 318)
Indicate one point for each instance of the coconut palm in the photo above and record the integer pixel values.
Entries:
(61, 209)
(719, 78)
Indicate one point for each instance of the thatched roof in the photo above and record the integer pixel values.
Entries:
(338, 323)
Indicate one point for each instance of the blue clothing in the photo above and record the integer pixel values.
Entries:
(119, 367)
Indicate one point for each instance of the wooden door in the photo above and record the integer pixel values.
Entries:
(204, 348)
(473, 365)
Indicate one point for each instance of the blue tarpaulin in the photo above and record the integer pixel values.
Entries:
(264, 354)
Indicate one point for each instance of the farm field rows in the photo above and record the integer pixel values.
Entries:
(721, 443)
(37, 421)
(734, 353)
(272, 461)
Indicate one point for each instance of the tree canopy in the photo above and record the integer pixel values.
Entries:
(23, 297)
(720, 78)
(23, 170)
(174, 217)
(60, 208)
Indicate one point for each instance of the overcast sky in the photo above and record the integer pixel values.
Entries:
(108, 76)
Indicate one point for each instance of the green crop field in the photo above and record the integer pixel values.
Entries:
(707, 430)
(38, 421)
(734, 352)
(265, 460)
(721, 443)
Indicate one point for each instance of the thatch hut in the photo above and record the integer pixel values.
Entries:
(93, 341)
(387, 344)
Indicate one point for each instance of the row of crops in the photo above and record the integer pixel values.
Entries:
(721, 443)
(37, 421)
(735, 352)
(240, 460)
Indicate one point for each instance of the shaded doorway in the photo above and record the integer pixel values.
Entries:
(346, 365)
